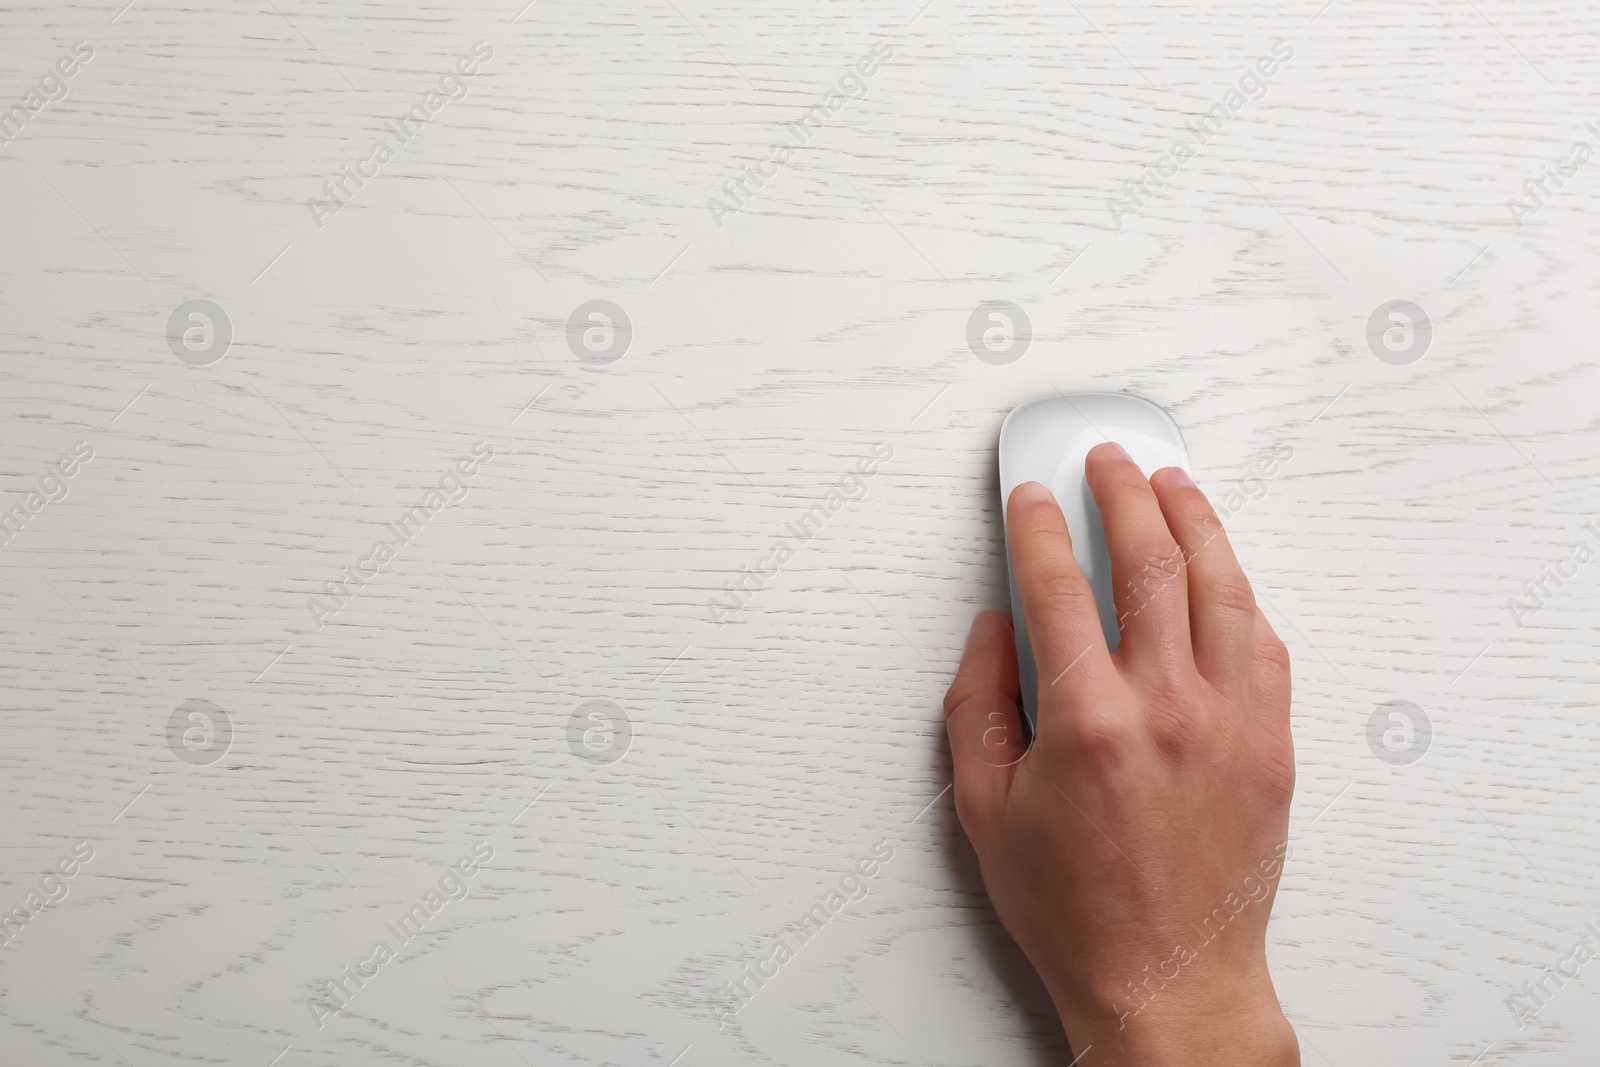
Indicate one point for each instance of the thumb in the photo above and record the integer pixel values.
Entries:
(982, 722)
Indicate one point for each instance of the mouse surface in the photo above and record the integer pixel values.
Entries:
(1046, 441)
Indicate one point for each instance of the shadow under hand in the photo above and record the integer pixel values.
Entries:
(1021, 986)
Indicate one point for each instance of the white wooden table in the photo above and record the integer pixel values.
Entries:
(265, 799)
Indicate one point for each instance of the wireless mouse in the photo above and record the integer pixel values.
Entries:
(1046, 440)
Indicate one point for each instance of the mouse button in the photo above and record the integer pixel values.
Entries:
(1032, 447)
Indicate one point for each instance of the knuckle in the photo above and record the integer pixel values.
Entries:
(1169, 691)
(1180, 732)
(1060, 586)
(1230, 593)
(969, 811)
(1274, 772)
(958, 693)
(1151, 553)
(1153, 565)
(1204, 522)
(1273, 655)
(1101, 738)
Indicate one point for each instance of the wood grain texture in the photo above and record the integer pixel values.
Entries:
(768, 354)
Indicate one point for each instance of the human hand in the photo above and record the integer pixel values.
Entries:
(1135, 849)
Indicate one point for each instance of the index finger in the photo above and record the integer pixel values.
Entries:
(1058, 606)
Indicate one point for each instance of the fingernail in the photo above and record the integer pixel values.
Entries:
(1176, 477)
(980, 627)
(981, 632)
(1120, 451)
(1032, 493)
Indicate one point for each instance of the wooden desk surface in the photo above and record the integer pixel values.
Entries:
(275, 740)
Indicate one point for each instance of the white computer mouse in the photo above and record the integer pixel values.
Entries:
(1046, 440)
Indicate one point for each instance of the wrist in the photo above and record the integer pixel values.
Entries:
(1220, 1022)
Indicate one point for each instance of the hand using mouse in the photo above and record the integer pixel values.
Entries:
(1134, 850)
